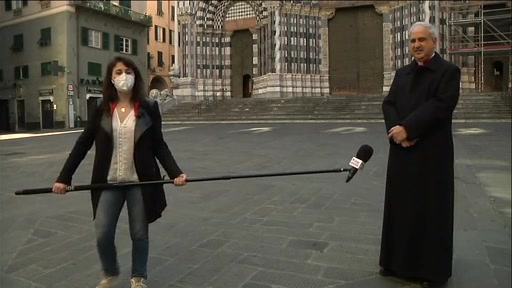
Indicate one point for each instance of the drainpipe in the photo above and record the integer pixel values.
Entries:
(78, 46)
(427, 11)
(437, 21)
(169, 47)
(176, 31)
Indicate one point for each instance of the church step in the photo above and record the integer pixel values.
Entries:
(331, 108)
(456, 115)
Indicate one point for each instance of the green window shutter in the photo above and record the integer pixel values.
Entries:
(46, 37)
(94, 69)
(163, 34)
(117, 43)
(25, 3)
(24, 71)
(17, 72)
(85, 36)
(105, 41)
(8, 5)
(46, 69)
(148, 63)
(90, 68)
(134, 47)
(47, 34)
(156, 33)
(18, 42)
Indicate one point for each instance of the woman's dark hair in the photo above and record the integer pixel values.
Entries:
(110, 91)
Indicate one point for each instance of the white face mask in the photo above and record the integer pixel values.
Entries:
(124, 82)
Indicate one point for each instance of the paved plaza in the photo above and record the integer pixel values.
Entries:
(304, 231)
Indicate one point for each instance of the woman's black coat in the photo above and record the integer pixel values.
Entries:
(149, 146)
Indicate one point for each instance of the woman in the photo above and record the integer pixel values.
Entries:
(126, 129)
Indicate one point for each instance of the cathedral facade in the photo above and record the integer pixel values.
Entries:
(271, 49)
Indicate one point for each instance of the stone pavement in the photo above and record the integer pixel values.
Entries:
(299, 231)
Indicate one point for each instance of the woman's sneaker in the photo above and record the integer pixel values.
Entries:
(137, 283)
(107, 282)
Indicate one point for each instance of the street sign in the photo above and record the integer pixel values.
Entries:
(71, 93)
(71, 87)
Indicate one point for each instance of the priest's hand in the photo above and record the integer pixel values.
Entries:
(398, 134)
(407, 143)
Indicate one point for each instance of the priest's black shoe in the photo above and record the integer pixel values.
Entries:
(433, 284)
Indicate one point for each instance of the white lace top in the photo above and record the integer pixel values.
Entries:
(122, 167)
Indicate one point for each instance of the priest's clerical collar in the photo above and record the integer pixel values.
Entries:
(423, 63)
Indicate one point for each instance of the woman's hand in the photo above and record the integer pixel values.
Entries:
(60, 188)
(180, 180)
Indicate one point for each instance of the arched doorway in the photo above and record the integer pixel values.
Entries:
(159, 83)
(247, 84)
(497, 69)
(241, 62)
(4, 115)
(354, 66)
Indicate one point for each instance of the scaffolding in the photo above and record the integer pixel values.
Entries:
(479, 32)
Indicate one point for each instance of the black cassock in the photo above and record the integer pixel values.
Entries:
(417, 232)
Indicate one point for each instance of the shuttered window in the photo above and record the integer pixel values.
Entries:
(94, 69)
(125, 45)
(95, 38)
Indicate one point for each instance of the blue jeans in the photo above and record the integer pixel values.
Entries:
(107, 215)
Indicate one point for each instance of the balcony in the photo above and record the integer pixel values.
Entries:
(116, 10)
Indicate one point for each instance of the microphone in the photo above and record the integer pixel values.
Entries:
(364, 154)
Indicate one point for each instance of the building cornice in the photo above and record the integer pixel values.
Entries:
(45, 13)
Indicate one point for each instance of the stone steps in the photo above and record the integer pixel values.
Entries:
(332, 108)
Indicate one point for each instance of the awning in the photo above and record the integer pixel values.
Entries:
(87, 96)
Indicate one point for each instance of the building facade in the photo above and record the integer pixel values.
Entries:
(162, 43)
(475, 35)
(52, 75)
(407, 14)
(267, 49)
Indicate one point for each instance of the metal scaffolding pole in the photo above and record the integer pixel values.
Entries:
(478, 29)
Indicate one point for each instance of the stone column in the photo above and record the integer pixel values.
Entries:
(188, 39)
(467, 80)
(199, 35)
(273, 8)
(185, 87)
(325, 14)
(509, 76)
(389, 73)
(255, 46)
(277, 39)
(226, 60)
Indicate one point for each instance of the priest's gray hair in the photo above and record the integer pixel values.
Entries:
(427, 25)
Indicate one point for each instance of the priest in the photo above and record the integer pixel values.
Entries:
(417, 232)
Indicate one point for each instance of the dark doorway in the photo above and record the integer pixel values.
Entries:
(247, 80)
(4, 115)
(497, 69)
(158, 82)
(47, 114)
(20, 114)
(356, 63)
(241, 62)
(92, 103)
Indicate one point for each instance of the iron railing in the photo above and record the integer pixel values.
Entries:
(116, 10)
